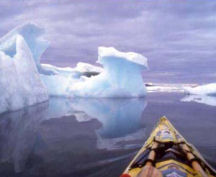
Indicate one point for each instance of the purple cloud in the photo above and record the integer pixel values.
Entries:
(178, 37)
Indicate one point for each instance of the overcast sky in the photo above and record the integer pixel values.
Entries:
(177, 36)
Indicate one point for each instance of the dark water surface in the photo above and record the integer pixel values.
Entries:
(95, 137)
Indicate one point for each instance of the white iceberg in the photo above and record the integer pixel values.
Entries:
(205, 94)
(121, 77)
(25, 81)
(203, 99)
(20, 84)
(56, 80)
(208, 89)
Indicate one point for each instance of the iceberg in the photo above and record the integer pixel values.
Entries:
(25, 81)
(205, 94)
(202, 99)
(121, 76)
(208, 89)
(20, 84)
(33, 36)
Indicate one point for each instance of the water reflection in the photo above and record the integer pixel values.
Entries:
(65, 133)
(18, 134)
(120, 118)
(203, 99)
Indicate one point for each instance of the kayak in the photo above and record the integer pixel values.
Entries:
(166, 153)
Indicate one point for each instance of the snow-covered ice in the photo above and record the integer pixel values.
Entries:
(203, 99)
(20, 84)
(59, 80)
(81, 69)
(205, 94)
(208, 89)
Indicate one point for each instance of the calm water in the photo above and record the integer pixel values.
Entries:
(95, 137)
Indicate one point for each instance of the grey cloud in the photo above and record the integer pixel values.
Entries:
(178, 37)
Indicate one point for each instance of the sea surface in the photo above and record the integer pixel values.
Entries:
(96, 137)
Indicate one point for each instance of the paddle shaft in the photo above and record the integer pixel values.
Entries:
(152, 154)
(149, 170)
(195, 164)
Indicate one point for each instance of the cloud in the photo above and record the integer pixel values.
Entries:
(175, 35)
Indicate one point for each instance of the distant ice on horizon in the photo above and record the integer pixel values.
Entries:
(207, 89)
(202, 99)
(165, 87)
(205, 94)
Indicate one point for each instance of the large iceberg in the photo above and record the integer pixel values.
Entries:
(121, 77)
(25, 81)
(20, 84)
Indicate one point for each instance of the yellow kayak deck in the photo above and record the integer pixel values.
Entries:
(170, 154)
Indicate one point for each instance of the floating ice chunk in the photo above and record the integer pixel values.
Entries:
(203, 99)
(121, 76)
(20, 84)
(205, 94)
(208, 89)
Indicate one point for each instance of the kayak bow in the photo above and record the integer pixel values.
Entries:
(167, 153)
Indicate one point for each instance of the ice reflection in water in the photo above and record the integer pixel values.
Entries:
(120, 118)
(63, 136)
(203, 99)
(18, 134)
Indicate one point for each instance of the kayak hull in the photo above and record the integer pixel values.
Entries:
(167, 152)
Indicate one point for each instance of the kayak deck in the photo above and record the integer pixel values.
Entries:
(167, 153)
